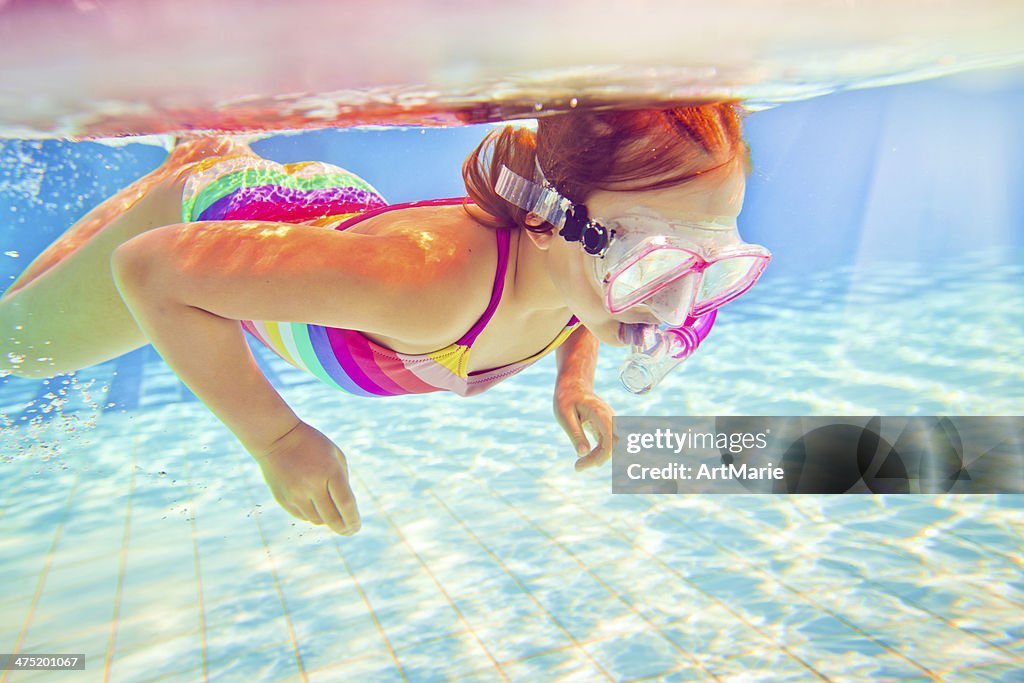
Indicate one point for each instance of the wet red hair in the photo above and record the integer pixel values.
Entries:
(614, 150)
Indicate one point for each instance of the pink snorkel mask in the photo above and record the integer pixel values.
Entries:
(681, 271)
(678, 270)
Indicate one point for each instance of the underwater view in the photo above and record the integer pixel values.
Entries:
(141, 539)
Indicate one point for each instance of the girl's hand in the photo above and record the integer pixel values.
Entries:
(577, 409)
(308, 476)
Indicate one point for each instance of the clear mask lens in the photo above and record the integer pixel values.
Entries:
(646, 275)
(726, 279)
(725, 276)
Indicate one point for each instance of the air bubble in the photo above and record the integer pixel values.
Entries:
(12, 254)
(16, 358)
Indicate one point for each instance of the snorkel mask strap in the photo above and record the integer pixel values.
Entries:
(542, 199)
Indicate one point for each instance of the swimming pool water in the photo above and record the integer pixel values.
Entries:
(151, 543)
(134, 529)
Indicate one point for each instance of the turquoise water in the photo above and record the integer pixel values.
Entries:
(135, 530)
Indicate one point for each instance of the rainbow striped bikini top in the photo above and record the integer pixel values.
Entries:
(346, 359)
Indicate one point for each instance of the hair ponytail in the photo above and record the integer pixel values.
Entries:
(512, 146)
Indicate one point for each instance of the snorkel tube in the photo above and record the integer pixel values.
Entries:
(658, 349)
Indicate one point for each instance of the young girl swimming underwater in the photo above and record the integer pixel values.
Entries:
(613, 227)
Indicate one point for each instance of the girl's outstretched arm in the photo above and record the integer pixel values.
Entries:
(307, 473)
(188, 286)
(576, 404)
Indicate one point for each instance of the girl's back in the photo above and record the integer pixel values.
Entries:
(467, 352)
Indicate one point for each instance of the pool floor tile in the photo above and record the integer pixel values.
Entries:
(451, 656)
(641, 654)
(520, 639)
(571, 665)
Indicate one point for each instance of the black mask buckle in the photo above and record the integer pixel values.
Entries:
(579, 228)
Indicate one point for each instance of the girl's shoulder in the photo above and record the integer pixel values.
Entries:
(445, 237)
(449, 261)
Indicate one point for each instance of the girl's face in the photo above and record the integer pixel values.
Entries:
(719, 194)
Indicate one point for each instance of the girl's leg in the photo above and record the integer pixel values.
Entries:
(64, 312)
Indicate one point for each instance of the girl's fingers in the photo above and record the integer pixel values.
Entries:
(574, 427)
(600, 421)
(341, 495)
(328, 512)
(570, 421)
(309, 513)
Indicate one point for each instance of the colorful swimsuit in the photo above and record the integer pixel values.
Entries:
(315, 193)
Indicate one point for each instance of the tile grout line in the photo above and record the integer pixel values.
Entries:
(199, 577)
(908, 601)
(1009, 559)
(740, 618)
(581, 564)
(372, 614)
(519, 660)
(280, 593)
(122, 562)
(658, 676)
(1016, 561)
(984, 547)
(41, 582)
(427, 641)
(462, 617)
(366, 600)
(631, 607)
(576, 644)
(946, 526)
(839, 616)
(827, 522)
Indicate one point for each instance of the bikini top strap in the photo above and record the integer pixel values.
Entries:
(504, 239)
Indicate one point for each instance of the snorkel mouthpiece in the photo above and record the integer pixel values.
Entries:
(658, 349)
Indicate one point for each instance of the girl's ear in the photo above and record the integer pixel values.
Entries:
(541, 240)
(533, 220)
